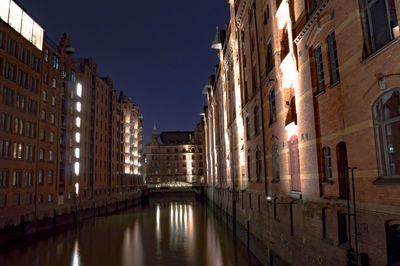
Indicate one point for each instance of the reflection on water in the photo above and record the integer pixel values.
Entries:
(169, 232)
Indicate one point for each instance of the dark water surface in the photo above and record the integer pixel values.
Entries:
(168, 232)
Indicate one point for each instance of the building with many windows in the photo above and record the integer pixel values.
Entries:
(175, 156)
(61, 130)
(305, 98)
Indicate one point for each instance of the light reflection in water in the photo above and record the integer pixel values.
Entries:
(133, 247)
(76, 260)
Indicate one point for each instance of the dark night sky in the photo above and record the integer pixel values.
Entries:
(158, 52)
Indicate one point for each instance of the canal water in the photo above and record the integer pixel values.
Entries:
(170, 231)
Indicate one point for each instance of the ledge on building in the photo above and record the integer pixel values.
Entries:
(327, 182)
(386, 181)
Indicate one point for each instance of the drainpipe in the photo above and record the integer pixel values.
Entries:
(261, 98)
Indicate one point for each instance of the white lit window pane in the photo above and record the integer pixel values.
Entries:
(78, 122)
(78, 137)
(77, 152)
(76, 168)
(15, 18)
(79, 90)
(4, 9)
(78, 107)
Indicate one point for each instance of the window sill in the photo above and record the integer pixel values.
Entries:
(334, 84)
(317, 94)
(381, 50)
(295, 195)
(327, 182)
(381, 181)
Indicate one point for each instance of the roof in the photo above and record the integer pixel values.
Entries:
(176, 137)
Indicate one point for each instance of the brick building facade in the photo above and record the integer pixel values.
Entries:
(306, 95)
(175, 156)
(61, 129)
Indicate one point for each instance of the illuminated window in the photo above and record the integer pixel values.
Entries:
(78, 107)
(56, 62)
(78, 137)
(78, 122)
(77, 153)
(79, 90)
(76, 168)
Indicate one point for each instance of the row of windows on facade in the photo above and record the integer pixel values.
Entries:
(17, 149)
(22, 54)
(6, 126)
(176, 157)
(192, 150)
(17, 175)
(156, 164)
(184, 172)
(20, 101)
(20, 77)
(16, 199)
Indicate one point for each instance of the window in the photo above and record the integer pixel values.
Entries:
(333, 58)
(393, 243)
(50, 198)
(294, 164)
(35, 63)
(51, 157)
(12, 47)
(54, 83)
(40, 198)
(272, 107)
(41, 154)
(32, 106)
(40, 177)
(326, 151)
(50, 177)
(52, 119)
(46, 55)
(378, 19)
(29, 154)
(17, 178)
(319, 66)
(256, 120)
(4, 149)
(18, 126)
(44, 96)
(73, 75)
(28, 178)
(3, 178)
(386, 115)
(43, 115)
(42, 134)
(3, 200)
(22, 76)
(56, 62)
(342, 227)
(5, 120)
(270, 59)
(258, 163)
(9, 71)
(275, 162)
(33, 84)
(16, 199)
(20, 102)
(17, 151)
(28, 198)
(30, 129)
(8, 96)
(51, 137)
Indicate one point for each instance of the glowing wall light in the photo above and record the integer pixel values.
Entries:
(77, 188)
(79, 90)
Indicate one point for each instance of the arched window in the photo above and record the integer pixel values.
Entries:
(386, 114)
(275, 162)
(258, 162)
(326, 151)
(393, 242)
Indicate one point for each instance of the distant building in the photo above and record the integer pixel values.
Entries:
(175, 156)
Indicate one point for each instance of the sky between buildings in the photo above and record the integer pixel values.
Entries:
(157, 51)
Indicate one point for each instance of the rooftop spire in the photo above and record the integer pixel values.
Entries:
(155, 129)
